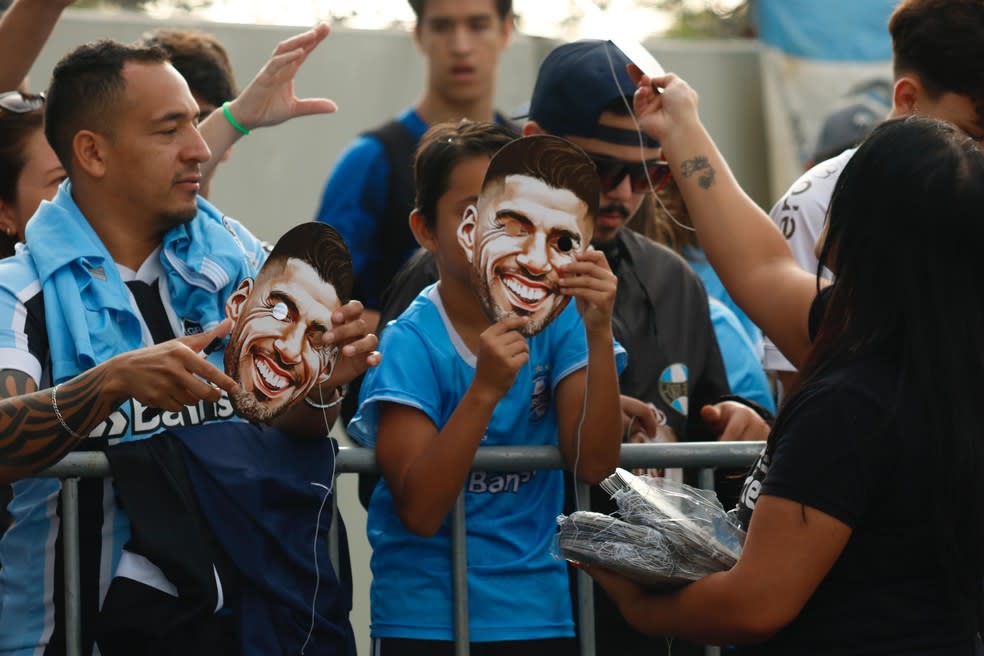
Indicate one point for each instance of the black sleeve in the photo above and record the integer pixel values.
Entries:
(418, 272)
(826, 452)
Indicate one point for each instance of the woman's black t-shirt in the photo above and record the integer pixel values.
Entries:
(849, 449)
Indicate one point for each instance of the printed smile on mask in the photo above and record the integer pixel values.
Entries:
(525, 293)
(270, 378)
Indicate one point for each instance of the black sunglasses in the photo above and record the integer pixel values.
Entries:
(16, 102)
(651, 175)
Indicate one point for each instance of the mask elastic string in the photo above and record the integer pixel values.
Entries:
(317, 526)
(642, 145)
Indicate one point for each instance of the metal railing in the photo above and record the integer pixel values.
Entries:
(703, 455)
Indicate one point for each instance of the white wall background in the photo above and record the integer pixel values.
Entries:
(275, 176)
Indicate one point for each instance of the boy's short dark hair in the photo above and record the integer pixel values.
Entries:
(442, 148)
(502, 7)
(201, 60)
(86, 91)
(942, 41)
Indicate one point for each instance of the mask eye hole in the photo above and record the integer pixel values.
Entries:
(279, 311)
(565, 244)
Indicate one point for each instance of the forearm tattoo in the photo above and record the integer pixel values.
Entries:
(700, 165)
(31, 437)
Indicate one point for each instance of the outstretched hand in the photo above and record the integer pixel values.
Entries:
(172, 374)
(269, 98)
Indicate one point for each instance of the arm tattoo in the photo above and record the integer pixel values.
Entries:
(697, 164)
(31, 437)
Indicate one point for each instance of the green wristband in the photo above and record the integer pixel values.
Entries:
(232, 121)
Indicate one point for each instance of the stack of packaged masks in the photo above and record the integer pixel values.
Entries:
(665, 534)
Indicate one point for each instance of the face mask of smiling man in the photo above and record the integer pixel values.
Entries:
(536, 212)
(275, 351)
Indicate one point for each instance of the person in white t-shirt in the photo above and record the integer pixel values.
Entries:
(942, 83)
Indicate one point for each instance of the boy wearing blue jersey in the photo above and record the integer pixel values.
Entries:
(454, 379)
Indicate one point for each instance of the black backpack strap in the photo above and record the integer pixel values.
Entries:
(399, 146)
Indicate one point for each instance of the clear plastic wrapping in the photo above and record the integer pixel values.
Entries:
(665, 533)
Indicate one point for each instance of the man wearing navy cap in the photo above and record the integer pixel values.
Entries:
(583, 93)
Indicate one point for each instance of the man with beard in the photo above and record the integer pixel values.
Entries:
(532, 218)
(105, 316)
(583, 93)
(276, 352)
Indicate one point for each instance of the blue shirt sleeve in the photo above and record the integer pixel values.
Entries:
(570, 347)
(20, 334)
(741, 362)
(408, 375)
(354, 200)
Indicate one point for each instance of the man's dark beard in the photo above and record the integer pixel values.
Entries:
(615, 208)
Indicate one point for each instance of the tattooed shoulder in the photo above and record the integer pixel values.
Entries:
(700, 165)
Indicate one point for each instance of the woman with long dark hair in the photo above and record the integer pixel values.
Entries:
(29, 170)
(865, 511)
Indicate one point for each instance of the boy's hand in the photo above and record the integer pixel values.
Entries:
(590, 280)
(502, 353)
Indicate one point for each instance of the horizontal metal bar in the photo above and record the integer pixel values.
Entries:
(92, 464)
(86, 464)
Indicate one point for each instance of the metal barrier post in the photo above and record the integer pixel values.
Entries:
(585, 589)
(706, 482)
(459, 576)
(70, 545)
(333, 530)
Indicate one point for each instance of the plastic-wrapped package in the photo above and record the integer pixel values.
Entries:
(665, 534)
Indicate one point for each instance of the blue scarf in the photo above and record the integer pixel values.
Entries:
(88, 313)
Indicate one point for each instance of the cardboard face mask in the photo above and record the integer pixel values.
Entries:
(535, 213)
(275, 350)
